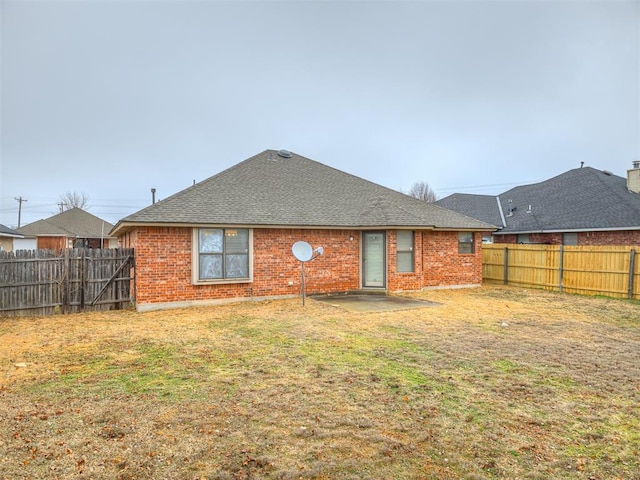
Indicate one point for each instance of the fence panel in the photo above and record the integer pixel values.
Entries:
(591, 270)
(597, 270)
(534, 265)
(493, 263)
(41, 282)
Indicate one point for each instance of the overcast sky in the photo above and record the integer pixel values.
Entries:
(112, 98)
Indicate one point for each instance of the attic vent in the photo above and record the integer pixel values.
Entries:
(284, 153)
(607, 172)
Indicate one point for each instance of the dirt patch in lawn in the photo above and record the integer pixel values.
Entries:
(491, 383)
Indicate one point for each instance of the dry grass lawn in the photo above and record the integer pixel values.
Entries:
(494, 382)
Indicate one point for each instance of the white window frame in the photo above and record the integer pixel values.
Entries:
(411, 251)
(195, 259)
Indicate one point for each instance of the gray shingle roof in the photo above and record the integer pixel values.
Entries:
(482, 207)
(579, 199)
(8, 232)
(269, 190)
(74, 222)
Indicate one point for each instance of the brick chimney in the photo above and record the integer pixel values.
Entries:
(633, 178)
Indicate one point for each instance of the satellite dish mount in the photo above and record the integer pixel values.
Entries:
(305, 253)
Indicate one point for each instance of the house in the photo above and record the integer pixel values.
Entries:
(7, 237)
(230, 237)
(583, 206)
(72, 228)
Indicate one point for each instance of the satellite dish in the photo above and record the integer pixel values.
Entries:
(302, 251)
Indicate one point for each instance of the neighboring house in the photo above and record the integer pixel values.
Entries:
(230, 237)
(7, 237)
(73, 228)
(583, 206)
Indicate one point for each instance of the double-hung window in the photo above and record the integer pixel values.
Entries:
(223, 254)
(465, 242)
(405, 251)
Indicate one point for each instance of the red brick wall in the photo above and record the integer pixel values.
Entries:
(404, 280)
(444, 266)
(547, 238)
(274, 266)
(163, 264)
(622, 237)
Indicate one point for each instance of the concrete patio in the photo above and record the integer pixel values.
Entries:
(372, 302)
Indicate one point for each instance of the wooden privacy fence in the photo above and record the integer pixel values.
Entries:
(594, 270)
(41, 282)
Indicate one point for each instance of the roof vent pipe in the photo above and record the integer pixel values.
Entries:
(153, 195)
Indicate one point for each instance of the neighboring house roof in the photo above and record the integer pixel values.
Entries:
(582, 199)
(271, 190)
(74, 222)
(8, 232)
(483, 207)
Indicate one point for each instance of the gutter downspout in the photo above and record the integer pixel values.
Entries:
(504, 221)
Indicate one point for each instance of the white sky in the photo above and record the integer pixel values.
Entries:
(112, 98)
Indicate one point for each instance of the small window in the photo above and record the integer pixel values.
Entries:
(523, 238)
(570, 239)
(465, 242)
(223, 254)
(405, 251)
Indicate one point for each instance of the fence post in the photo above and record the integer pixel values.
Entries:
(83, 266)
(632, 268)
(561, 272)
(505, 275)
(65, 280)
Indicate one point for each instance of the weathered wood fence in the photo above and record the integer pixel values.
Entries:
(612, 271)
(42, 282)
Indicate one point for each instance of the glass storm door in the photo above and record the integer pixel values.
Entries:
(373, 259)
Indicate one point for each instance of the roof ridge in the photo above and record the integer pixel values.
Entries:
(342, 172)
(58, 226)
(298, 191)
(383, 204)
(188, 189)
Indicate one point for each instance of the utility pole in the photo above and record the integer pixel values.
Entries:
(20, 200)
(61, 206)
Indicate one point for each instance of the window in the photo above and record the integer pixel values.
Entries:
(570, 239)
(465, 242)
(222, 254)
(405, 251)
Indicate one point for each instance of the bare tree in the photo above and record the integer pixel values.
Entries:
(422, 191)
(73, 200)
